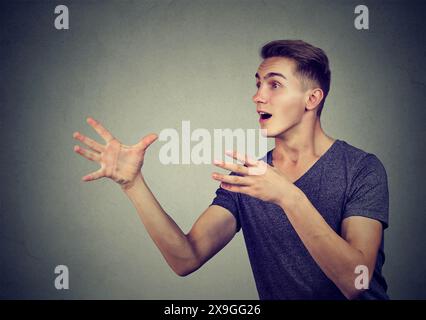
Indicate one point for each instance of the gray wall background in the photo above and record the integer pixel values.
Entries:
(141, 66)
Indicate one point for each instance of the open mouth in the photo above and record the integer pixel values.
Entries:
(264, 115)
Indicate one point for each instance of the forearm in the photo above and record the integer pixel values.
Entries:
(166, 234)
(334, 255)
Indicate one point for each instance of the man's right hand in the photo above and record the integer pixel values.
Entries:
(118, 162)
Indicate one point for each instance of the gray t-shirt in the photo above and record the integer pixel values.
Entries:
(345, 181)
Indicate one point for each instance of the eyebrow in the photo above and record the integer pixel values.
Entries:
(269, 75)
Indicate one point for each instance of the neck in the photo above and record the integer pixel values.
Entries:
(302, 143)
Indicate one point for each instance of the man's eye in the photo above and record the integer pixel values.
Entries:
(275, 85)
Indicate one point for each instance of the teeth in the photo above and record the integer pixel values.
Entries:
(264, 115)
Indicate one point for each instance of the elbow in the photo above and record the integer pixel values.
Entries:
(185, 269)
(184, 265)
(353, 289)
(353, 286)
(183, 272)
(188, 264)
(356, 280)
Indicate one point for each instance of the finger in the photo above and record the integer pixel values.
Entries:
(90, 155)
(94, 175)
(236, 188)
(232, 179)
(147, 141)
(104, 133)
(259, 169)
(246, 160)
(237, 168)
(92, 144)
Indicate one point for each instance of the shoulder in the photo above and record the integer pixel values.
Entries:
(360, 162)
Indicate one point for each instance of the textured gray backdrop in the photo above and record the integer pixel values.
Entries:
(142, 66)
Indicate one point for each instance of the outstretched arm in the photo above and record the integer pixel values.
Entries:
(184, 253)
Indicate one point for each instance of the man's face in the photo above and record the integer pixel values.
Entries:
(280, 93)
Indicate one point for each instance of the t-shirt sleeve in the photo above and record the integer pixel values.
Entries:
(368, 194)
(228, 200)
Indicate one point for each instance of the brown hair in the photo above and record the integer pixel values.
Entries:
(311, 62)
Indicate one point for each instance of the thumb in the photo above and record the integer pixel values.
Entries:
(146, 141)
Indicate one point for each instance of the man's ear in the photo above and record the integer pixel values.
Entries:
(313, 98)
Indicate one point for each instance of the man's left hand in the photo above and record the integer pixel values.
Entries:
(256, 178)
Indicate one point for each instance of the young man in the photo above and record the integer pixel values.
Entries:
(312, 211)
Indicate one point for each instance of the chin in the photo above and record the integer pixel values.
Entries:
(274, 132)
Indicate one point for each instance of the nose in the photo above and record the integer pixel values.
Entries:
(259, 97)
